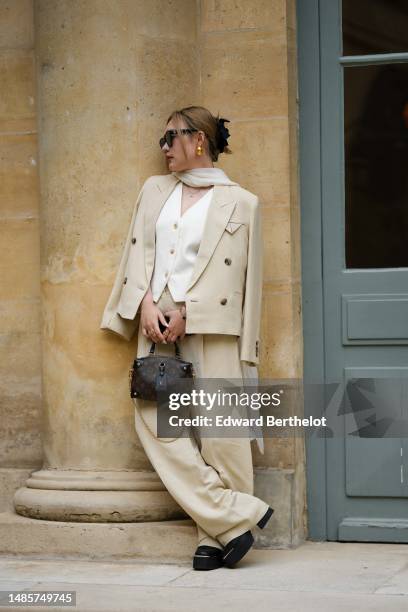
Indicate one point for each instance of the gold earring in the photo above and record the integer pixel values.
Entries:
(199, 150)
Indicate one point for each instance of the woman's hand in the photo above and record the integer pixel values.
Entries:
(176, 327)
(150, 316)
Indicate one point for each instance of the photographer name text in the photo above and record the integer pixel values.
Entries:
(269, 420)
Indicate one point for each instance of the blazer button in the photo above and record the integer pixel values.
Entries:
(223, 301)
(227, 261)
(133, 240)
(125, 280)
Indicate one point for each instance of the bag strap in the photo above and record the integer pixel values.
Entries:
(176, 349)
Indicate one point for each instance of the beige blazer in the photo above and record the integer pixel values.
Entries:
(224, 295)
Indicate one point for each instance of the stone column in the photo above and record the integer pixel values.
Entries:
(108, 75)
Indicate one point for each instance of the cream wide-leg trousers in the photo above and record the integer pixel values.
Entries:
(210, 478)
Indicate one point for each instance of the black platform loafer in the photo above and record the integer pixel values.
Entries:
(237, 548)
(207, 558)
(265, 518)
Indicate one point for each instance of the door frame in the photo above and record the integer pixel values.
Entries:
(310, 185)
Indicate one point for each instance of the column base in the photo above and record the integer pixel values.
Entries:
(96, 497)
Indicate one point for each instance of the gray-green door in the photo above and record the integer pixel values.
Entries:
(353, 90)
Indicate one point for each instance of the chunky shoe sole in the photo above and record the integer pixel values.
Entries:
(205, 559)
(261, 524)
(237, 548)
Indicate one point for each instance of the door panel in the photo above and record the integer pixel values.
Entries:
(375, 319)
(374, 460)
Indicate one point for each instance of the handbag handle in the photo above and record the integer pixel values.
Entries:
(176, 348)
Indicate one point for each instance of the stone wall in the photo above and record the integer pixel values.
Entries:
(20, 361)
(248, 73)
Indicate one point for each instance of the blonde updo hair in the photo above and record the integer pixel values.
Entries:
(200, 118)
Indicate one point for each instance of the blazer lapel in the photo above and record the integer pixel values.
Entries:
(219, 212)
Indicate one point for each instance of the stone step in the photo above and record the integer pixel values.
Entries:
(163, 541)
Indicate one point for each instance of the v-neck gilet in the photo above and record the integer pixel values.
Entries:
(178, 238)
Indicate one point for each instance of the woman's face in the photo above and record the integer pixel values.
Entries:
(182, 155)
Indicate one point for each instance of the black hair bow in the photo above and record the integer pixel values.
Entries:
(223, 134)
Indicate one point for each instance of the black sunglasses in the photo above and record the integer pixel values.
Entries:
(170, 135)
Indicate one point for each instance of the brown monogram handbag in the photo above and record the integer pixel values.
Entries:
(153, 375)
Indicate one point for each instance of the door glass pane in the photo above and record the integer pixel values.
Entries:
(374, 26)
(376, 166)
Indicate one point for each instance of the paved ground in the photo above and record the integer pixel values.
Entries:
(317, 576)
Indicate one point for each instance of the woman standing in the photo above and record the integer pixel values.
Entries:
(192, 267)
